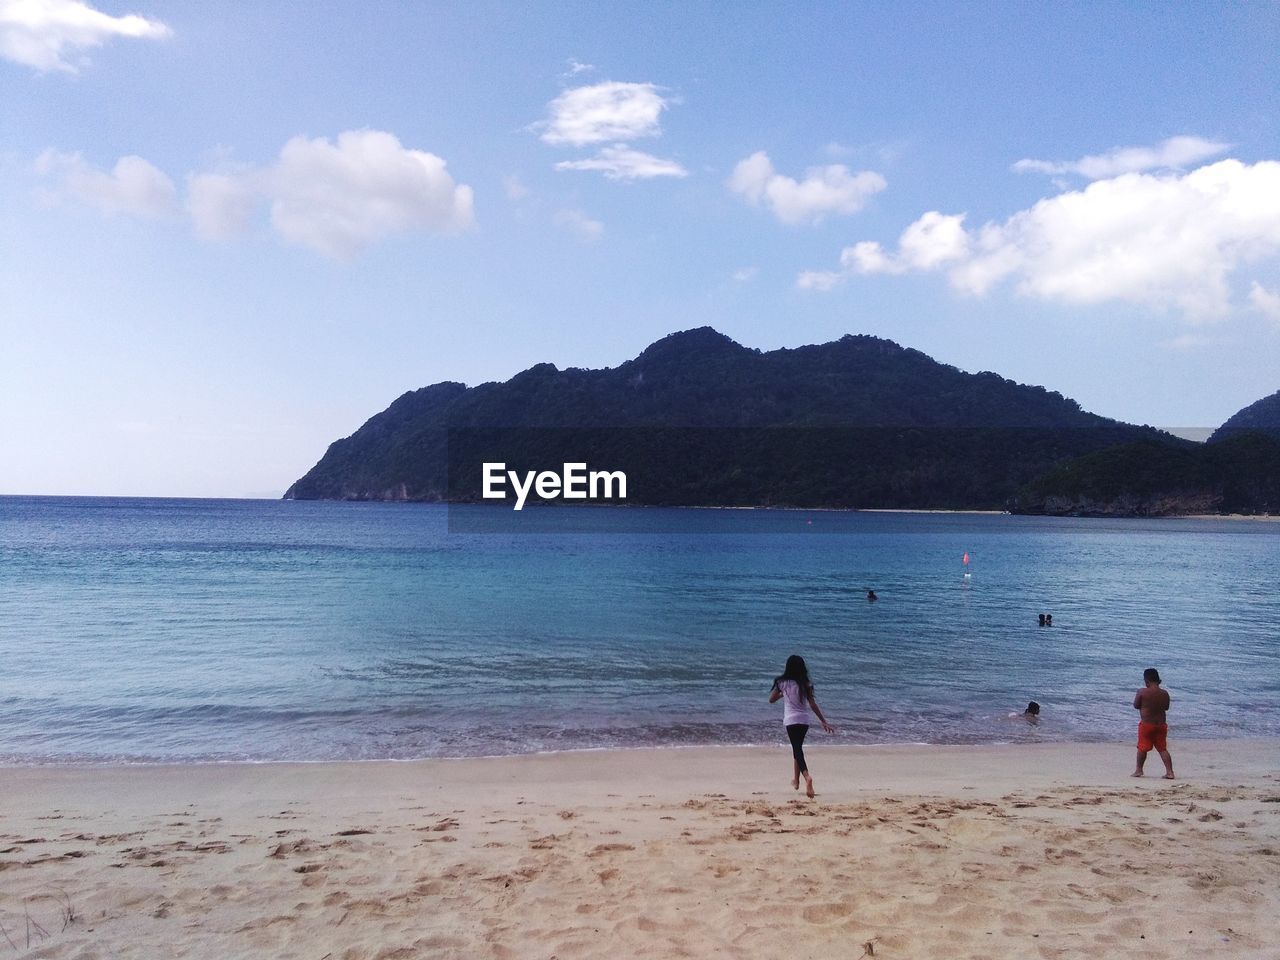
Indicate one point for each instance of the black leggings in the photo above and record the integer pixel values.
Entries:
(796, 732)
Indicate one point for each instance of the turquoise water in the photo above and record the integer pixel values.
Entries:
(159, 630)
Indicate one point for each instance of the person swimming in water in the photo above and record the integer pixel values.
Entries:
(1031, 715)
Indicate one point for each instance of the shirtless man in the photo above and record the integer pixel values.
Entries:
(1152, 701)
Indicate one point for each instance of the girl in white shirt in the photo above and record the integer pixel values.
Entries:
(796, 693)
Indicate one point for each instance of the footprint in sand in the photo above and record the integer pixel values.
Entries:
(826, 912)
(601, 849)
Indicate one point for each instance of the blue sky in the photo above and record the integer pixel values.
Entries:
(230, 233)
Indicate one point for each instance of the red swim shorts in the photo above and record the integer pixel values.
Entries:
(1152, 736)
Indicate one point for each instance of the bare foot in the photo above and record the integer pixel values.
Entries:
(795, 784)
(808, 788)
(1136, 773)
(1168, 776)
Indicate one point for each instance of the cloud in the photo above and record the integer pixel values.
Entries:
(41, 33)
(825, 190)
(1176, 153)
(579, 224)
(820, 280)
(603, 112)
(221, 205)
(620, 162)
(1170, 241)
(336, 197)
(746, 274)
(612, 113)
(931, 241)
(1264, 301)
(132, 188)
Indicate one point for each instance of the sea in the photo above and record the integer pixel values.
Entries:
(161, 631)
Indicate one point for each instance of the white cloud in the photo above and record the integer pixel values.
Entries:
(221, 205)
(746, 274)
(579, 224)
(821, 280)
(867, 256)
(41, 33)
(132, 188)
(620, 162)
(335, 197)
(1176, 153)
(825, 190)
(338, 198)
(603, 112)
(932, 240)
(1264, 301)
(576, 67)
(1170, 242)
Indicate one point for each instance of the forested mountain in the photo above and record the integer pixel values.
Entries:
(1263, 416)
(1236, 471)
(1149, 478)
(698, 419)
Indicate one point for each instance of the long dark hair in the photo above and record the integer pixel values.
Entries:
(797, 671)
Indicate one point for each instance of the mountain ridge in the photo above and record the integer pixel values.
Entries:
(909, 431)
(1261, 415)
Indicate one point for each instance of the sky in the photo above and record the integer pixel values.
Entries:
(230, 233)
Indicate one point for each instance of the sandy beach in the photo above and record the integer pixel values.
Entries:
(907, 852)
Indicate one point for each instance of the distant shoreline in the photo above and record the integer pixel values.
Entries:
(1238, 517)
(984, 513)
(994, 513)
(1260, 517)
